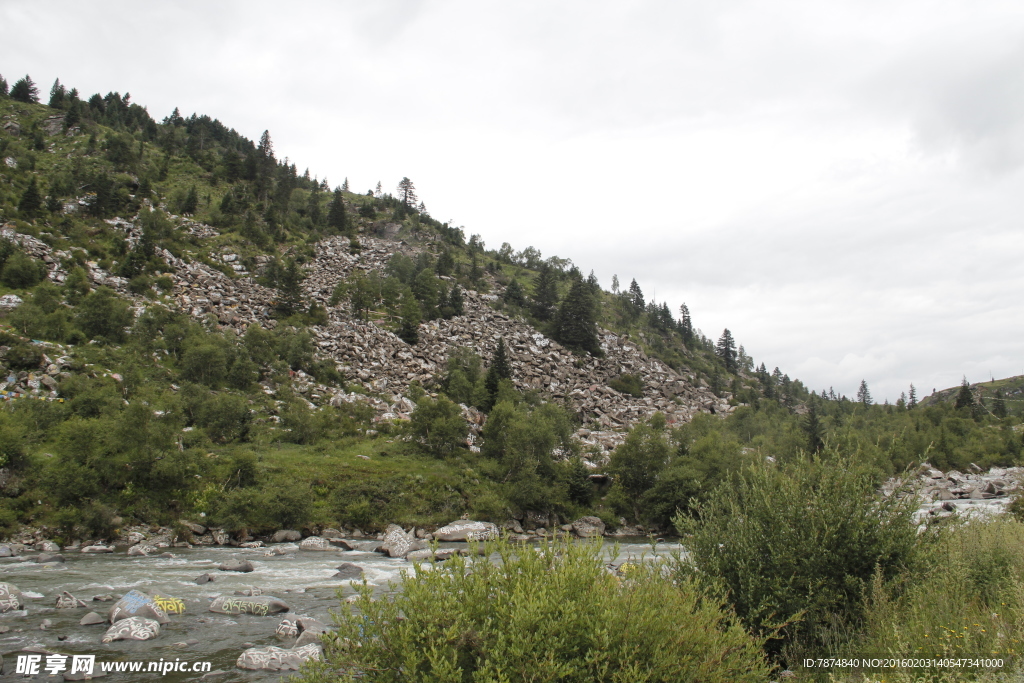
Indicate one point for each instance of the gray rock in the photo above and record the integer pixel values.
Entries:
(250, 592)
(137, 604)
(349, 571)
(68, 601)
(132, 628)
(91, 619)
(43, 558)
(259, 606)
(466, 530)
(426, 553)
(197, 529)
(588, 527)
(315, 543)
(221, 537)
(287, 629)
(10, 598)
(47, 547)
(396, 542)
(203, 578)
(342, 543)
(5, 551)
(106, 597)
(278, 659)
(308, 638)
(330, 534)
(142, 550)
(236, 566)
(286, 535)
(97, 549)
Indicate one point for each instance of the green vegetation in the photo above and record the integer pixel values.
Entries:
(545, 614)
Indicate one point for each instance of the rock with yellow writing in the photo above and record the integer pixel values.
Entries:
(169, 605)
(257, 605)
(137, 604)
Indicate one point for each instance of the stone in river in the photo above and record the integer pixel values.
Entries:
(236, 566)
(467, 530)
(137, 604)
(10, 598)
(278, 659)
(203, 578)
(347, 570)
(259, 605)
(132, 628)
(286, 535)
(68, 601)
(91, 619)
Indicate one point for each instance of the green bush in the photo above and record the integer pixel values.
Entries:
(548, 614)
(438, 426)
(797, 545)
(21, 271)
(628, 384)
(23, 356)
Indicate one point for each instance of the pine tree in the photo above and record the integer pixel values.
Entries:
(863, 395)
(999, 404)
(31, 200)
(191, 203)
(912, 399)
(686, 325)
(576, 323)
(266, 147)
(409, 330)
(814, 430)
(3, 87)
(24, 90)
(379, 191)
(964, 398)
(514, 294)
(636, 299)
(313, 208)
(500, 369)
(337, 219)
(57, 95)
(344, 185)
(407, 193)
(455, 301)
(545, 293)
(726, 350)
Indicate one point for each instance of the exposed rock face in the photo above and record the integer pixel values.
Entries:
(259, 606)
(465, 530)
(278, 659)
(137, 604)
(132, 628)
(588, 527)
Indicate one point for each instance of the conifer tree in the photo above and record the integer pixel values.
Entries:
(266, 147)
(500, 369)
(409, 330)
(999, 404)
(545, 294)
(686, 325)
(615, 284)
(576, 323)
(3, 87)
(191, 203)
(812, 425)
(455, 301)
(337, 219)
(912, 399)
(964, 398)
(313, 209)
(24, 90)
(636, 299)
(514, 294)
(57, 95)
(379, 191)
(344, 185)
(863, 395)
(726, 350)
(407, 192)
(31, 199)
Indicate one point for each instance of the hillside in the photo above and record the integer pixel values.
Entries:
(190, 326)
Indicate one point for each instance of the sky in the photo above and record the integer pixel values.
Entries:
(840, 184)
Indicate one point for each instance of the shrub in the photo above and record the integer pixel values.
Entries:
(797, 545)
(103, 314)
(628, 384)
(22, 356)
(21, 271)
(552, 615)
(438, 425)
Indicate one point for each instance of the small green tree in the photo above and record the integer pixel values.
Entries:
(576, 323)
(499, 369)
(863, 395)
(545, 293)
(636, 464)
(25, 90)
(103, 314)
(409, 326)
(726, 350)
(31, 200)
(964, 397)
(337, 218)
(438, 426)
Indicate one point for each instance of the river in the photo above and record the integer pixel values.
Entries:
(303, 579)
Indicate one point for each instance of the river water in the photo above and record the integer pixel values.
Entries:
(303, 579)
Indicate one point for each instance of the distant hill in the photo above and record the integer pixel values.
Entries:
(1012, 389)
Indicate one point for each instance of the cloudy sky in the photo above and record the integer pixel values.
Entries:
(840, 184)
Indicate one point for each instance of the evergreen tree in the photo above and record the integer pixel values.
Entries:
(514, 294)
(500, 369)
(337, 219)
(313, 209)
(409, 329)
(726, 350)
(191, 203)
(344, 185)
(3, 87)
(912, 399)
(813, 427)
(545, 293)
(24, 90)
(407, 193)
(863, 395)
(636, 299)
(686, 325)
(31, 200)
(576, 323)
(57, 95)
(266, 148)
(964, 398)
(455, 301)
(378, 191)
(999, 404)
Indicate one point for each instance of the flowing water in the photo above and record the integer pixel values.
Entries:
(303, 579)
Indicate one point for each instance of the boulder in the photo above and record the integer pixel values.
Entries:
(349, 572)
(137, 604)
(169, 605)
(308, 638)
(5, 551)
(46, 547)
(68, 601)
(202, 578)
(91, 619)
(342, 543)
(141, 550)
(396, 542)
(422, 555)
(43, 558)
(257, 605)
(330, 534)
(286, 535)
(287, 629)
(251, 591)
(466, 530)
(93, 549)
(278, 659)
(315, 543)
(236, 566)
(132, 628)
(10, 598)
(588, 527)
(197, 529)
(221, 537)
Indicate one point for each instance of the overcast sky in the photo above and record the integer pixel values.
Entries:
(840, 184)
